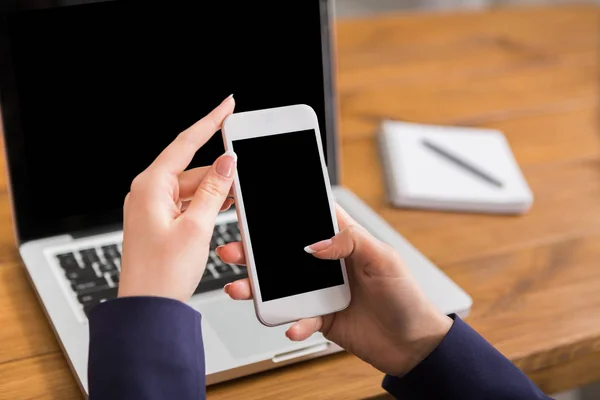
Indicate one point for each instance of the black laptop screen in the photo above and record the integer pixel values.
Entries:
(92, 92)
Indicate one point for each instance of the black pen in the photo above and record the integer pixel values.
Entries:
(462, 163)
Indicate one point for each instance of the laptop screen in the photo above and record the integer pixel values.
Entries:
(101, 87)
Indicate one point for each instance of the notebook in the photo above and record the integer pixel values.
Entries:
(452, 168)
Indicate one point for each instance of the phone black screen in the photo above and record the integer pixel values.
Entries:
(286, 205)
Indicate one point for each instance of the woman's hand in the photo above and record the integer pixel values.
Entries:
(389, 323)
(169, 215)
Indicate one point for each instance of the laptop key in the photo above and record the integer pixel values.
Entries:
(87, 308)
(80, 274)
(227, 237)
(109, 266)
(210, 284)
(86, 298)
(68, 262)
(223, 269)
(207, 275)
(115, 278)
(111, 252)
(233, 229)
(242, 269)
(98, 296)
(89, 256)
(65, 255)
(89, 285)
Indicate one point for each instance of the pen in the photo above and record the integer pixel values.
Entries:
(465, 165)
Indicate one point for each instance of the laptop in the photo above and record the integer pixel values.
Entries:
(92, 91)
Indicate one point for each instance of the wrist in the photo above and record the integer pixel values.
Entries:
(148, 289)
(427, 334)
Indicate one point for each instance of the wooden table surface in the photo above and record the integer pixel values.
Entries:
(535, 280)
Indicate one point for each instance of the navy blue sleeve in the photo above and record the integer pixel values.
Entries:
(466, 367)
(145, 348)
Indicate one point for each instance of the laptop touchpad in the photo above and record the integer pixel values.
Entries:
(238, 328)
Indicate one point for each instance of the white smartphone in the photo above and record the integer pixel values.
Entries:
(284, 203)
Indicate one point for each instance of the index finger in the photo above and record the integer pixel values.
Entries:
(178, 155)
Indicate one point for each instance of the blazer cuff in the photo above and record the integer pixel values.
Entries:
(464, 366)
(148, 345)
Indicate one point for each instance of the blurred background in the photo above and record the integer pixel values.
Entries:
(362, 8)
(350, 8)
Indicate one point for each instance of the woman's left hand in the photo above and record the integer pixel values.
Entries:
(169, 215)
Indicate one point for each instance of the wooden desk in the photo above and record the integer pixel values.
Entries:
(535, 280)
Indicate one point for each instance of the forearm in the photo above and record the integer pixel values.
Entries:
(146, 348)
(464, 366)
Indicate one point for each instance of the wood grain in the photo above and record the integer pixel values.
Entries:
(43, 377)
(530, 72)
(310, 380)
(552, 285)
(467, 69)
(550, 136)
(566, 205)
(23, 322)
(567, 374)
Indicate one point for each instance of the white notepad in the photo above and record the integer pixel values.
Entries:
(443, 178)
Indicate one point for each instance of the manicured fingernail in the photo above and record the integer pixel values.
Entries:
(319, 246)
(226, 288)
(226, 204)
(230, 97)
(226, 164)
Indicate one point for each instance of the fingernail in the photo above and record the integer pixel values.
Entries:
(319, 246)
(226, 288)
(226, 205)
(227, 99)
(218, 249)
(226, 164)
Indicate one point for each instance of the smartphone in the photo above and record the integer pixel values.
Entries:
(284, 203)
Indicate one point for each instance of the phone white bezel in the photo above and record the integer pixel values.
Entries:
(269, 122)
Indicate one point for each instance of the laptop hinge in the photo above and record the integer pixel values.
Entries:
(97, 231)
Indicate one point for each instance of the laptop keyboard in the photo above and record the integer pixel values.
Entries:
(93, 272)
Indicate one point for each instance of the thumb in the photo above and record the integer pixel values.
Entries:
(212, 191)
(353, 241)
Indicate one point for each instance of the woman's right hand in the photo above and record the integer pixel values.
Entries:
(390, 323)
